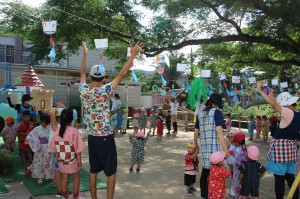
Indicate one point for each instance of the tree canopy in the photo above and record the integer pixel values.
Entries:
(248, 32)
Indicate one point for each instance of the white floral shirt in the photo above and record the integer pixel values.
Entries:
(96, 112)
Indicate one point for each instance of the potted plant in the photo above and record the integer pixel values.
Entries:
(6, 161)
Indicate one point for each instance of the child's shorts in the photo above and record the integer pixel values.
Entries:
(281, 168)
(189, 179)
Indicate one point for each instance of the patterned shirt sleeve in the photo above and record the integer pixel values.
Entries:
(82, 87)
(78, 143)
(225, 173)
(242, 168)
(219, 119)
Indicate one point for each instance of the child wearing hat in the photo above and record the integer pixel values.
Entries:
(138, 150)
(258, 126)
(153, 121)
(124, 121)
(190, 169)
(135, 121)
(160, 123)
(240, 156)
(143, 120)
(250, 174)
(168, 121)
(9, 133)
(219, 171)
(251, 125)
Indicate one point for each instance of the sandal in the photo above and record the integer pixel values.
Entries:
(40, 181)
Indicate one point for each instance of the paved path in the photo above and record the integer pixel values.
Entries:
(161, 177)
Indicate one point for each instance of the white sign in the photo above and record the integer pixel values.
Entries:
(252, 80)
(284, 85)
(49, 27)
(205, 73)
(265, 83)
(101, 44)
(296, 86)
(236, 79)
(222, 75)
(181, 67)
(274, 82)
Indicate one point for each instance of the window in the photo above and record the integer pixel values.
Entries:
(7, 53)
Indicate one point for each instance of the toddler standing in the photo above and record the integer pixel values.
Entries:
(190, 169)
(124, 121)
(168, 121)
(160, 124)
(251, 125)
(38, 141)
(143, 120)
(231, 158)
(135, 120)
(228, 122)
(258, 126)
(265, 128)
(9, 133)
(153, 121)
(240, 156)
(219, 171)
(138, 150)
(251, 172)
(68, 137)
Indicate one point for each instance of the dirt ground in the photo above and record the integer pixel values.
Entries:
(162, 175)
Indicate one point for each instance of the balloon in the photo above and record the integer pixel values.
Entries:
(160, 71)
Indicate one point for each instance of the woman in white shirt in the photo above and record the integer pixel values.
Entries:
(116, 102)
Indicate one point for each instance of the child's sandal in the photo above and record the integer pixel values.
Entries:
(138, 170)
(40, 181)
(130, 170)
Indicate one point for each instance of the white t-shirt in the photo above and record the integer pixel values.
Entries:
(174, 107)
(115, 103)
(199, 108)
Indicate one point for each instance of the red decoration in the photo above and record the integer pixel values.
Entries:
(186, 78)
(131, 65)
(235, 89)
(160, 71)
(224, 84)
(52, 42)
(207, 83)
(101, 57)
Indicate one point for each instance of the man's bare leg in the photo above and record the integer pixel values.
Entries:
(93, 190)
(111, 182)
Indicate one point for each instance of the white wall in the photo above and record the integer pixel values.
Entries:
(146, 101)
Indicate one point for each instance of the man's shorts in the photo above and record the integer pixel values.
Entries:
(102, 154)
(281, 168)
(173, 118)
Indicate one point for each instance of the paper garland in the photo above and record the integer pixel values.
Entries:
(222, 76)
(205, 73)
(252, 80)
(181, 67)
(236, 79)
(101, 44)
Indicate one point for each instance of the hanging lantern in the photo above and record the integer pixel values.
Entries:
(49, 27)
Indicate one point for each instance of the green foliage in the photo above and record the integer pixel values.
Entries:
(6, 158)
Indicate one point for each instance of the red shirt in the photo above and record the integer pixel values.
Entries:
(189, 163)
(216, 182)
(24, 128)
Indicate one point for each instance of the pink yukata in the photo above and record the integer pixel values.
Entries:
(9, 134)
(71, 136)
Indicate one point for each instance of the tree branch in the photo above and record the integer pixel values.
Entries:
(233, 23)
(279, 63)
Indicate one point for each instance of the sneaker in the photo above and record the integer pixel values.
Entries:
(58, 194)
(193, 189)
(138, 170)
(130, 170)
(189, 192)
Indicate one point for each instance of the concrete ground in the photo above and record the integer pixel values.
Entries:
(162, 175)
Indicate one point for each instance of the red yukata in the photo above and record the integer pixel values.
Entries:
(216, 182)
(160, 127)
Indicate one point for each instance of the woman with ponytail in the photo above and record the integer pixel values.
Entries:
(68, 145)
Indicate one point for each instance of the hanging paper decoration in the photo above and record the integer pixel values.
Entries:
(242, 90)
(290, 90)
(296, 85)
(188, 88)
(265, 83)
(167, 60)
(52, 53)
(205, 73)
(236, 79)
(134, 77)
(220, 90)
(181, 67)
(266, 90)
(232, 93)
(173, 92)
(284, 85)
(160, 59)
(154, 87)
(275, 82)
(224, 84)
(128, 52)
(101, 69)
(101, 44)
(49, 27)
(160, 71)
(228, 92)
(280, 88)
(52, 43)
(162, 91)
(164, 82)
(235, 89)
(252, 80)
(235, 98)
(259, 96)
(222, 76)
(210, 92)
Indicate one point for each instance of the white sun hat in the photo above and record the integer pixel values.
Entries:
(285, 99)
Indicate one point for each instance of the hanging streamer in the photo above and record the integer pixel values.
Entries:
(228, 92)
(134, 77)
(242, 90)
(188, 88)
(164, 82)
(52, 53)
(220, 90)
(101, 69)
